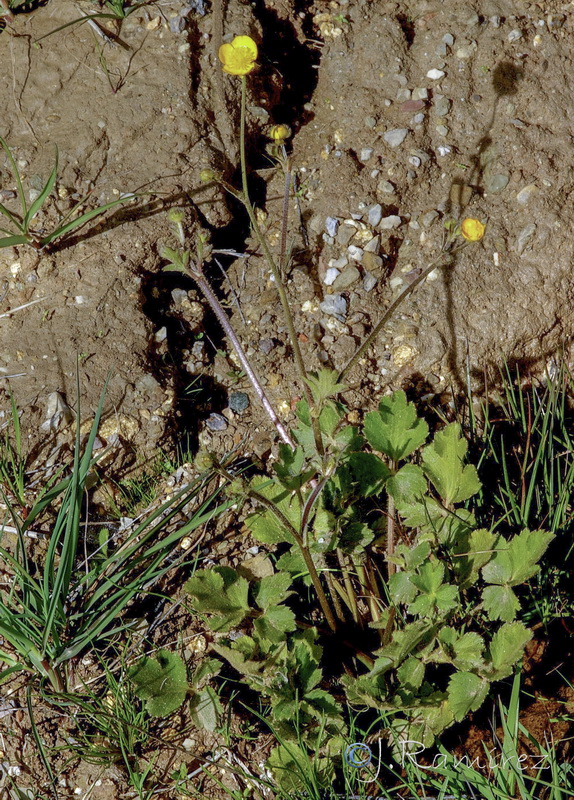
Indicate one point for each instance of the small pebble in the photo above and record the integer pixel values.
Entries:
(555, 21)
(442, 130)
(366, 154)
(418, 118)
(435, 74)
(494, 21)
(386, 187)
(444, 149)
(525, 195)
(420, 93)
(395, 137)
(372, 245)
(429, 217)
(372, 262)
(442, 106)
(216, 422)
(411, 105)
(496, 183)
(238, 402)
(347, 278)
(390, 222)
(331, 276)
(345, 234)
(448, 39)
(355, 253)
(331, 225)
(370, 122)
(524, 236)
(374, 215)
(414, 161)
(266, 346)
(514, 35)
(161, 335)
(334, 305)
(369, 281)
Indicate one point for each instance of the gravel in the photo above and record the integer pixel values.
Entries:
(395, 137)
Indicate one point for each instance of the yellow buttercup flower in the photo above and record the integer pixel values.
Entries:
(238, 57)
(472, 229)
(279, 133)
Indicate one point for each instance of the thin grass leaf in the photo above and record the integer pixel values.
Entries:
(12, 217)
(16, 173)
(12, 241)
(81, 220)
(100, 15)
(39, 201)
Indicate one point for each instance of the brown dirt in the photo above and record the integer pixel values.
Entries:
(340, 74)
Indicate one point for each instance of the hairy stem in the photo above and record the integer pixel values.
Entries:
(264, 501)
(276, 272)
(197, 274)
(389, 313)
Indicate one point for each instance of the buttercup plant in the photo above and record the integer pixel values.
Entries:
(440, 623)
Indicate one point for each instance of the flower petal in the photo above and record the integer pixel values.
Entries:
(238, 58)
(472, 229)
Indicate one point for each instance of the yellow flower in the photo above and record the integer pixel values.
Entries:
(279, 133)
(472, 229)
(238, 58)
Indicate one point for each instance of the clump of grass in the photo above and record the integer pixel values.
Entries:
(22, 232)
(53, 611)
(526, 440)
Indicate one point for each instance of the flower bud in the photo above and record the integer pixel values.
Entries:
(279, 133)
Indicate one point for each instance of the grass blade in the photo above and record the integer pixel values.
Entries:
(39, 201)
(76, 223)
(16, 172)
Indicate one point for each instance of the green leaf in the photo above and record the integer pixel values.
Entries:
(408, 640)
(275, 623)
(82, 219)
(430, 577)
(435, 594)
(500, 602)
(355, 537)
(12, 241)
(39, 201)
(401, 589)
(443, 466)
(263, 524)
(160, 681)
(468, 651)
(516, 560)
(220, 591)
(410, 558)
(395, 429)
(206, 669)
(369, 472)
(324, 384)
(293, 562)
(475, 551)
(411, 673)
(289, 467)
(206, 709)
(507, 647)
(407, 485)
(466, 692)
(272, 590)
